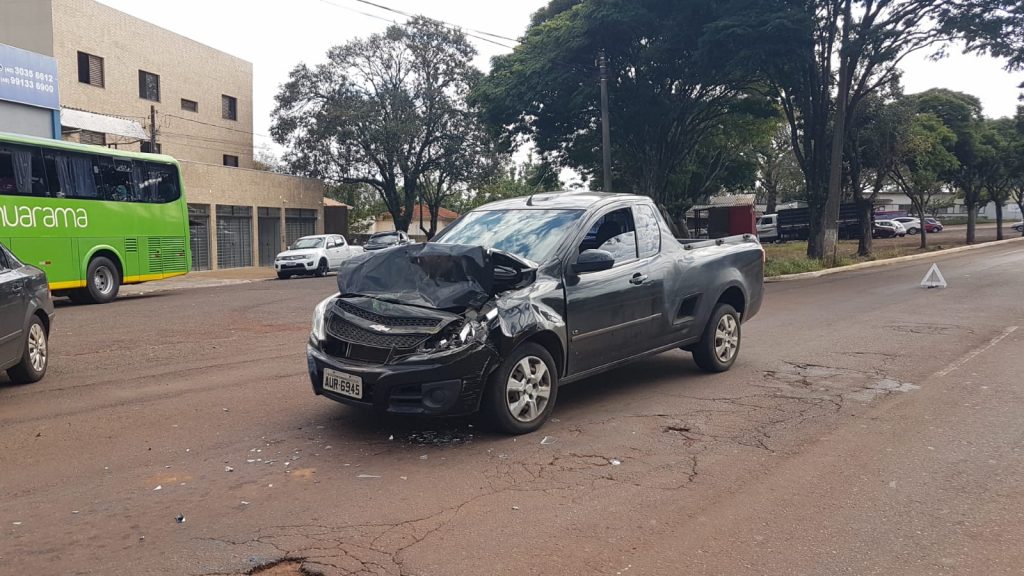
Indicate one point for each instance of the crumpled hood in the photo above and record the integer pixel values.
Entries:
(306, 252)
(441, 276)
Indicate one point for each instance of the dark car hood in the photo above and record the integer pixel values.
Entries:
(448, 277)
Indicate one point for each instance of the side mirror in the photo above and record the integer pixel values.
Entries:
(593, 261)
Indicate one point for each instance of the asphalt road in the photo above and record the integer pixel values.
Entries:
(870, 427)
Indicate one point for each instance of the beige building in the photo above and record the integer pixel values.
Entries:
(111, 87)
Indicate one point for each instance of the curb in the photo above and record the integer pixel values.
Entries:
(151, 288)
(887, 262)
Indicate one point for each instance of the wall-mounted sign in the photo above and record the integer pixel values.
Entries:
(28, 78)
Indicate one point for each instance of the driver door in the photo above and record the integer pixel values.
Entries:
(609, 312)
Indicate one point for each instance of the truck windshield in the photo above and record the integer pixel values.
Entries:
(529, 234)
(304, 243)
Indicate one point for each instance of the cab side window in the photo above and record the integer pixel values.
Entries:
(614, 233)
(648, 231)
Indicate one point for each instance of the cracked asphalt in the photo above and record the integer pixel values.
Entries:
(869, 427)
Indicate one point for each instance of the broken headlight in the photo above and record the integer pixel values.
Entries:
(455, 336)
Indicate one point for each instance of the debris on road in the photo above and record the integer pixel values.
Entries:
(367, 476)
(614, 462)
(548, 440)
(229, 469)
(158, 487)
(180, 519)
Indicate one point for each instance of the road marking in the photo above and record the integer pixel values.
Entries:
(974, 353)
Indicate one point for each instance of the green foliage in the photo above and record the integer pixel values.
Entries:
(670, 97)
(386, 111)
(994, 27)
(511, 181)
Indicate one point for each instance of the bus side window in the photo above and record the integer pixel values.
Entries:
(70, 175)
(114, 179)
(158, 183)
(21, 171)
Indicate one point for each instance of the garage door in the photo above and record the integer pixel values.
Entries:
(234, 236)
(199, 235)
(270, 235)
(298, 222)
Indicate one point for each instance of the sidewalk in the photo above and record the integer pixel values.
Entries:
(208, 279)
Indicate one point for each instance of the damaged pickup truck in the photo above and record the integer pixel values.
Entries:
(520, 296)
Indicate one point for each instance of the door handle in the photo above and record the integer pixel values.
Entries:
(16, 289)
(638, 279)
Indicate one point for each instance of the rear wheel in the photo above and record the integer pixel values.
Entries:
(912, 231)
(102, 282)
(720, 344)
(34, 358)
(521, 393)
(321, 269)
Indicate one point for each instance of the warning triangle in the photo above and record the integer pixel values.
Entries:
(933, 279)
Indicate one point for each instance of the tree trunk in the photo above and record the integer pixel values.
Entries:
(999, 220)
(864, 213)
(922, 229)
(1021, 206)
(772, 199)
(833, 198)
(972, 222)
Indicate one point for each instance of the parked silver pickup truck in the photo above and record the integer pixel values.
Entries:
(520, 296)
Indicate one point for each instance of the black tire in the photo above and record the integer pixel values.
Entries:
(706, 352)
(321, 269)
(34, 357)
(496, 408)
(912, 231)
(102, 281)
(283, 275)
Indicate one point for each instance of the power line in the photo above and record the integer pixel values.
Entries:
(217, 126)
(469, 32)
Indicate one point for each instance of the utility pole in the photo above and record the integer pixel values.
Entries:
(152, 129)
(606, 138)
(834, 195)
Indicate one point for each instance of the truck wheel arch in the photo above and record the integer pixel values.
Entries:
(734, 296)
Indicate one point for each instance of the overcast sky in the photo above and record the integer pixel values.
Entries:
(276, 35)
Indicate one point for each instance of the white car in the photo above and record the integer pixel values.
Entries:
(314, 255)
(888, 229)
(912, 225)
(768, 228)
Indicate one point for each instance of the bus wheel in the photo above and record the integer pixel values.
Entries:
(102, 281)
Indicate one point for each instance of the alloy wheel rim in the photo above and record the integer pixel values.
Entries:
(727, 338)
(103, 280)
(37, 347)
(528, 390)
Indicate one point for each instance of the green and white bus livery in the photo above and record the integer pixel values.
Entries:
(92, 218)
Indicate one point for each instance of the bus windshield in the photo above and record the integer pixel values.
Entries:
(92, 218)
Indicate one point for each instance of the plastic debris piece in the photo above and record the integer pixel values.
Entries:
(250, 461)
(424, 457)
(17, 523)
(548, 440)
(270, 485)
(229, 469)
(367, 476)
(180, 519)
(287, 463)
(392, 437)
(614, 462)
(224, 409)
(515, 507)
(158, 487)
(404, 477)
(244, 503)
(74, 511)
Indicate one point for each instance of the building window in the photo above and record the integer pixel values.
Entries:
(230, 160)
(189, 105)
(149, 86)
(228, 107)
(90, 69)
(90, 137)
(149, 148)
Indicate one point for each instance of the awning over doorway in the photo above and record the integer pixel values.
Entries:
(93, 122)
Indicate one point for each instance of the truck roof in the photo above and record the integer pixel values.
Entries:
(575, 200)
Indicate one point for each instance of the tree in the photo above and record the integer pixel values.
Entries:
(265, 159)
(378, 111)
(511, 181)
(876, 142)
(1017, 163)
(994, 27)
(820, 59)
(668, 94)
(776, 169)
(1001, 136)
(365, 202)
(925, 164)
(962, 114)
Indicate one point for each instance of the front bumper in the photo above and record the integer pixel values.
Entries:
(444, 385)
(294, 265)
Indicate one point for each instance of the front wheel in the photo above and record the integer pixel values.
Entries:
(720, 344)
(283, 275)
(102, 281)
(34, 358)
(321, 269)
(521, 393)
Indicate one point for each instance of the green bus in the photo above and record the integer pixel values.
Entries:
(92, 218)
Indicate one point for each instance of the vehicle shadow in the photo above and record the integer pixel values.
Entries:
(619, 387)
(67, 303)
